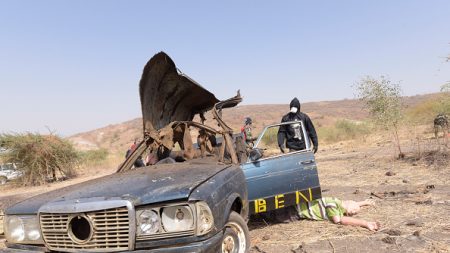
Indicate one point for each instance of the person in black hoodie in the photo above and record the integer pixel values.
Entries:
(292, 133)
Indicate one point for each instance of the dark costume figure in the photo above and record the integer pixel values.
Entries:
(292, 133)
(441, 121)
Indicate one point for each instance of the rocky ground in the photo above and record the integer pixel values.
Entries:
(412, 201)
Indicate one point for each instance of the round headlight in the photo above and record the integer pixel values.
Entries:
(16, 230)
(148, 222)
(177, 218)
(31, 226)
(33, 235)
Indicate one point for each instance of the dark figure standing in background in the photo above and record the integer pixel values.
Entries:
(139, 161)
(292, 133)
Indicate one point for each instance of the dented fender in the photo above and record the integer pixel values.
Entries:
(220, 191)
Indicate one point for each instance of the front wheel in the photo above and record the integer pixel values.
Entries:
(3, 180)
(236, 237)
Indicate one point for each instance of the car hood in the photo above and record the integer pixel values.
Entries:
(142, 186)
(168, 95)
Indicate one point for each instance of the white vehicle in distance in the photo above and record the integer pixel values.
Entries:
(9, 171)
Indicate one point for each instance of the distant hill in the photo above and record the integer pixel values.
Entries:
(118, 137)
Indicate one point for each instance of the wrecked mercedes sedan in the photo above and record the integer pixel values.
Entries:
(195, 193)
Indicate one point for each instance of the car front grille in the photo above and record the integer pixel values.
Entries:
(109, 230)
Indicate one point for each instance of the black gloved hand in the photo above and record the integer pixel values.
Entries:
(315, 148)
(281, 148)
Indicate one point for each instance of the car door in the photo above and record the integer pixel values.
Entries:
(277, 180)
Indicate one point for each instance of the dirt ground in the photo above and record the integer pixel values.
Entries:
(412, 201)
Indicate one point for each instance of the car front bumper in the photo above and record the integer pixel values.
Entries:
(210, 245)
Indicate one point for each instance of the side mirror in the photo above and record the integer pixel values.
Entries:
(255, 154)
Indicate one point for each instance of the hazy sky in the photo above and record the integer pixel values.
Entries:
(73, 66)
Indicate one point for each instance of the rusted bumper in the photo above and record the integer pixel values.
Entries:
(18, 248)
(211, 244)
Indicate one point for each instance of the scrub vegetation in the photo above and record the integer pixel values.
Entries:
(48, 158)
(270, 137)
(344, 130)
(41, 158)
(426, 111)
(93, 157)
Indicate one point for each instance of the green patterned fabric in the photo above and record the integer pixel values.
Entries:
(321, 209)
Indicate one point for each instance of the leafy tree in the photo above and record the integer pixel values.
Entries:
(383, 100)
(445, 87)
(39, 157)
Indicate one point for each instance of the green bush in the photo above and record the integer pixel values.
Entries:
(344, 130)
(40, 157)
(93, 157)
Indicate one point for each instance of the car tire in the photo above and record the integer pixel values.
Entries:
(236, 238)
(3, 180)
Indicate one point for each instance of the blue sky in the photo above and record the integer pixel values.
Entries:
(73, 66)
